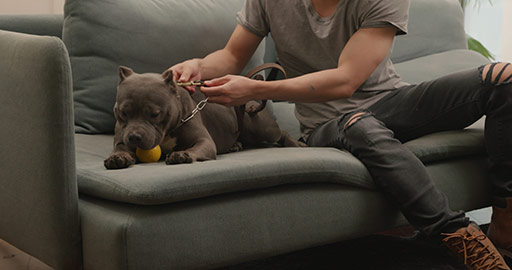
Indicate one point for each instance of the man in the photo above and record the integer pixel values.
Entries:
(349, 96)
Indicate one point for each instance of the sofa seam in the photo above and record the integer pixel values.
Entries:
(126, 227)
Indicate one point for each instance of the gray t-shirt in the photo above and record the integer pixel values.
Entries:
(306, 42)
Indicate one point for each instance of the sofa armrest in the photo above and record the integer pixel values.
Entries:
(40, 24)
(38, 189)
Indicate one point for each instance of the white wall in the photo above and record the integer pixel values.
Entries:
(490, 23)
(506, 43)
(31, 6)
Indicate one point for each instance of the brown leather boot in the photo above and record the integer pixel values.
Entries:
(500, 229)
(473, 247)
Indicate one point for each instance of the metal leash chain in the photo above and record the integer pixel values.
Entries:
(200, 105)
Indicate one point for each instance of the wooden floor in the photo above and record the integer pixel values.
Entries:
(12, 258)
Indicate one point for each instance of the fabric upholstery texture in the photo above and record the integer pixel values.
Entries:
(228, 229)
(436, 65)
(236, 227)
(434, 26)
(146, 35)
(157, 183)
(40, 24)
(38, 189)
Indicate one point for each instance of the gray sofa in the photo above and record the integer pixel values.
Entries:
(59, 204)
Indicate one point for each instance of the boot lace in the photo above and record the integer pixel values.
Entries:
(476, 253)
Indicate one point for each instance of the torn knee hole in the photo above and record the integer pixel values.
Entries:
(497, 73)
(353, 119)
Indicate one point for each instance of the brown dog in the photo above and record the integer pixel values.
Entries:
(151, 110)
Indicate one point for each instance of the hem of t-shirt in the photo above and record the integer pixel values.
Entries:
(247, 26)
(401, 29)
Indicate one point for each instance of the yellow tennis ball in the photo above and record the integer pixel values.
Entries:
(147, 156)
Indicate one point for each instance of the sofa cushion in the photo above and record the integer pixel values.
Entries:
(156, 183)
(146, 35)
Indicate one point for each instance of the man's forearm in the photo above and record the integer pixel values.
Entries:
(219, 63)
(314, 87)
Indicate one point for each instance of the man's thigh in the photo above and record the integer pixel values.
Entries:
(451, 102)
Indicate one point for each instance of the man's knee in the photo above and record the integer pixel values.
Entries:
(362, 124)
(353, 119)
(362, 132)
(497, 73)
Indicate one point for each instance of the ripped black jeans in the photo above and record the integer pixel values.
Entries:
(375, 136)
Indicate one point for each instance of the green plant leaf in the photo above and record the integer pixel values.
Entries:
(464, 3)
(476, 46)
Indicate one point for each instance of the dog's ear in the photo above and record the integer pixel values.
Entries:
(168, 76)
(124, 72)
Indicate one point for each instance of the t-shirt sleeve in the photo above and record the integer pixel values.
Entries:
(253, 17)
(381, 13)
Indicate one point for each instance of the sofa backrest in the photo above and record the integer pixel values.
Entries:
(152, 35)
(434, 26)
(148, 36)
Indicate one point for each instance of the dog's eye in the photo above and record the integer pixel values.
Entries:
(155, 114)
(123, 114)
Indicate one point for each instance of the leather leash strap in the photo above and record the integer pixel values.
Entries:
(272, 76)
(265, 66)
(241, 110)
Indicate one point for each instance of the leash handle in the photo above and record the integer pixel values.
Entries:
(275, 67)
(191, 83)
(250, 74)
(259, 68)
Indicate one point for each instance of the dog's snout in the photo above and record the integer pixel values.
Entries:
(135, 138)
(138, 134)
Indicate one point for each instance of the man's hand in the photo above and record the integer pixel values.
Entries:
(230, 90)
(229, 60)
(189, 70)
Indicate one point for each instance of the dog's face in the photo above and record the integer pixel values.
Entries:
(147, 106)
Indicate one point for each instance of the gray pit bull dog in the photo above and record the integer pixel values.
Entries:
(151, 110)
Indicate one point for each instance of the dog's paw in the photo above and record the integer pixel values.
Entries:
(237, 147)
(178, 158)
(253, 107)
(299, 144)
(287, 141)
(250, 109)
(119, 161)
(293, 143)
